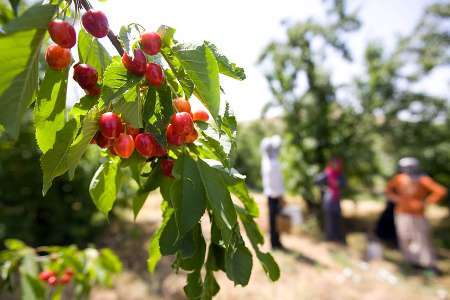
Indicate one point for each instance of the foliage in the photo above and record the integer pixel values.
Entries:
(22, 265)
(203, 178)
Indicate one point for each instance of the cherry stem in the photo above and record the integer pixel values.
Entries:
(111, 36)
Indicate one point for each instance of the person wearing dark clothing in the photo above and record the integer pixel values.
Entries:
(385, 227)
(274, 211)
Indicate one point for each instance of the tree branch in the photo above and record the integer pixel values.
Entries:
(111, 36)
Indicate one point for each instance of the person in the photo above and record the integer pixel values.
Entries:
(411, 191)
(332, 181)
(273, 185)
(385, 226)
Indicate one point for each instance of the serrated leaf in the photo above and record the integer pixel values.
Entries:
(166, 33)
(117, 81)
(225, 66)
(178, 71)
(19, 56)
(240, 190)
(105, 185)
(49, 110)
(201, 65)
(130, 108)
(188, 194)
(195, 262)
(54, 161)
(82, 107)
(91, 52)
(154, 253)
(238, 264)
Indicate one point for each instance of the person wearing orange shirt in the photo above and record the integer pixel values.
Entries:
(411, 191)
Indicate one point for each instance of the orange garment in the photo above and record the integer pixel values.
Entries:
(411, 194)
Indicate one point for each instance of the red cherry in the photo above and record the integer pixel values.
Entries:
(58, 58)
(94, 91)
(110, 125)
(85, 75)
(191, 137)
(146, 144)
(52, 280)
(167, 166)
(182, 105)
(182, 123)
(173, 137)
(65, 278)
(200, 115)
(132, 131)
(69, 272)
(45, 275)
(102, 141)
(154, 74)
(62, 33)
(136, 65)
(95, 22)
(151, 42)
(124, 145)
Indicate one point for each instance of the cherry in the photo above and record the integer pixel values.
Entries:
(62, 33)
(65, 278)
(95, 22)
(58, 58)
(102, 141)
(146, 144)
(173, 137)
(85, 75)
(182, 123)
(132, 131)
(93, 91)
(45, 275)
(52, 280)
(167, 166)
(124, 145)
(136, 65)
(200, 115)
(182, 105)
(69, 272)
(110, 125)
(151, 42)
(154, 74)
(191, 136)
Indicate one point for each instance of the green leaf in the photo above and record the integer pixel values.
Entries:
(105, 185)
(117, 81)
(82, 141)
(195, 262)
(240, 190)
(225, 66)
(210, 286)
(188, 194)
(193, 288)
(54, 161)
(91, 52)
(82, 107)
(201, 65)
(168, 241)
(124, 39)
(178, 71)
(19, 56)
(218, 199)
(166, 33)
(49, 110)
(238, 264)
(154, 253)
(130, 107)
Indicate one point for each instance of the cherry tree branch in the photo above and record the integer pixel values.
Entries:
(111, 36)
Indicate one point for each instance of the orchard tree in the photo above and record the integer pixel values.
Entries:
(137, 109)
(318, 124)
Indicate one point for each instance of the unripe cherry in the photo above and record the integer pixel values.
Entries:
(182, 105)
(62, 33)
(85, 75)
(200, 115)
(154, 74)
(124, 145)
(110, 125)
(146, 144)
(182, 123)
(167, 166)
(95, 22)
(191, 137)
(136, 65)
(57, 58)
(173, 137)
(151, 42)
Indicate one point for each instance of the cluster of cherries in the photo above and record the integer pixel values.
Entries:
(122, 139)
(52, 279)
(58, 55)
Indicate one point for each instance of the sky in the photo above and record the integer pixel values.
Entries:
(241, 29)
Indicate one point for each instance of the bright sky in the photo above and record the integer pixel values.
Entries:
(241, 29)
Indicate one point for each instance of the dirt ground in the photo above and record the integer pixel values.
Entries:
(311, 269)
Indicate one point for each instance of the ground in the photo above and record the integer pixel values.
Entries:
(312, 269)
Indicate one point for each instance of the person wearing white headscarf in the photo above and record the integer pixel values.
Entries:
(273, 185)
